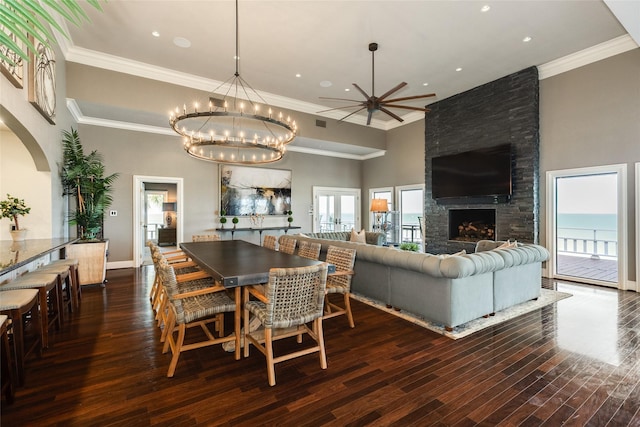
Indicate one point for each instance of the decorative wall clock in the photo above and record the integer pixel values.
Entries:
(42, 81)
(12, 71)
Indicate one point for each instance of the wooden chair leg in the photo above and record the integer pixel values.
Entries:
(176, 348)
(268, 344)
(317, 326)
(347, 306)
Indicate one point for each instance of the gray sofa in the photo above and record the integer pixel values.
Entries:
(450, 290)
(372, 238)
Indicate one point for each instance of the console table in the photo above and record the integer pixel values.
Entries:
(166, 236)
(286, 228)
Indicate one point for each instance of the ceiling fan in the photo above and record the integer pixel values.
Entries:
(378, 103)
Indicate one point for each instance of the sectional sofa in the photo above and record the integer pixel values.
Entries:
(446, 289)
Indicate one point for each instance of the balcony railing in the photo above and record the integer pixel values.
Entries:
(595, 245)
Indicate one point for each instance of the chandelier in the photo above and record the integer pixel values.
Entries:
(236, 128)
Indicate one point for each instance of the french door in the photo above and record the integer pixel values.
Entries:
(587, 225)
(336, 209)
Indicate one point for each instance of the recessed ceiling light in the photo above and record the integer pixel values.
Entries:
(526, 39)
(298, 75)
(485, 8)
(425, 84)
(326, 83)
(155, 34)
(347, 90)
(181, 42)
(458, 69)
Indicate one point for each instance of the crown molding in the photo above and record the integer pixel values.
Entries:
(80, 118)
(587, 56)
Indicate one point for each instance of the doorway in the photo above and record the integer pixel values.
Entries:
(336, 209)
(155, 187)
(587, 225)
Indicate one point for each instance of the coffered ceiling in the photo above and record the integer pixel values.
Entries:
(294, 52)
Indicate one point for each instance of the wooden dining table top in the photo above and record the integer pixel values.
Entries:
(239, 263)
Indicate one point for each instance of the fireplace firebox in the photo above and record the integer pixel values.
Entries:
(471, 225)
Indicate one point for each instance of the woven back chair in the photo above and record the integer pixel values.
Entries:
(292, 298)
(340, 281)
(199, 307)
(269, 242)
(287, 245)
(205, 238)
(309, 250)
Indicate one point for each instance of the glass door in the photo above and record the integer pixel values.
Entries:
(411, 203)
(587, 224)
(336, 209)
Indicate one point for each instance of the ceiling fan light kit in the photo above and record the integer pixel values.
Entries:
(373, 103)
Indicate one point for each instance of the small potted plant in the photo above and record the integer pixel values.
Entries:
(410, 246)
(290, 218)
(223, 219)
(235, 221)
(11, 208)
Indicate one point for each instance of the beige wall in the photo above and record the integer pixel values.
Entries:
(590, 116)
(31, 172)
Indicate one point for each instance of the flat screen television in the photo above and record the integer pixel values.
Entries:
(484, 172)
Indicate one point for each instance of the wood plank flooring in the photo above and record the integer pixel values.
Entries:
(576, 362)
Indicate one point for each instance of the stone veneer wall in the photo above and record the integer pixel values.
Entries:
(503, 111)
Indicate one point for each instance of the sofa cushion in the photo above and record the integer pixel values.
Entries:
(358, 236)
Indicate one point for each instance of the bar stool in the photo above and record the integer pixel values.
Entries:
(15, 304)
(5, 360)
(47, 284)
(65, 277)
(76, 289)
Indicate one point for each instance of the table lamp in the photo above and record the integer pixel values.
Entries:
(379, 206)
(169, 208)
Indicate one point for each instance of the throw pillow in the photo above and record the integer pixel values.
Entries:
(508, 244)
(462, 252)
(303, 235)
(358, 237)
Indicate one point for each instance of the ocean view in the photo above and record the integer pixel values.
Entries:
(582, 227)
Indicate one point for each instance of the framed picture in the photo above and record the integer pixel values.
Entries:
(247, 190)
(13, 69)
(42, 81)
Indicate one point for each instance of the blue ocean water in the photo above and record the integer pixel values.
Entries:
(580, 230)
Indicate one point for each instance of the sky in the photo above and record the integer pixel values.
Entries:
(595, 194)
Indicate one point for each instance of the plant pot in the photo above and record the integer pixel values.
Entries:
(19, 235)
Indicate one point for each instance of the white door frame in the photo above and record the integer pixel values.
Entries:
(637, 284)
(621, 171)
(138, 211)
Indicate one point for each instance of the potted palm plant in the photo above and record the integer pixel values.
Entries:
(83, 179)
(11, 208)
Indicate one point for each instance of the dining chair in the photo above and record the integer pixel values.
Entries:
(292, 298)
(269, 242)
(287, 245)
(179, 258)
(309, 250)
(340, 281)
(200, 307)
(205, 237)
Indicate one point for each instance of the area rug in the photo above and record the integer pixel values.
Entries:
(547, 297)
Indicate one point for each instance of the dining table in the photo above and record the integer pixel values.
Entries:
(237, 263)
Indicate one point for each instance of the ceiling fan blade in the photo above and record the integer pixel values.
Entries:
(407, 107)
(339, 99)
(369, 117)
(395, 116)
(351, 114)
(361, 91)
(407, 98)
(340, 108)
(390, 91)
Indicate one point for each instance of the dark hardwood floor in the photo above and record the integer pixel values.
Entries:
(576, 362)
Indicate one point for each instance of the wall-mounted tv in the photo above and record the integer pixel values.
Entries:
(484, 172)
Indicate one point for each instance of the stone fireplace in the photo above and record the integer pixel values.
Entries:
(471, 225)
(505, 111)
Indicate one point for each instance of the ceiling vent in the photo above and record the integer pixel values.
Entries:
(321, 123)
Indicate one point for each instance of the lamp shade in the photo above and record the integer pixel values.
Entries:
(379, 205)
(169, 207)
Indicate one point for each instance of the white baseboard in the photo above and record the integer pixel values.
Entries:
(119, 264)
